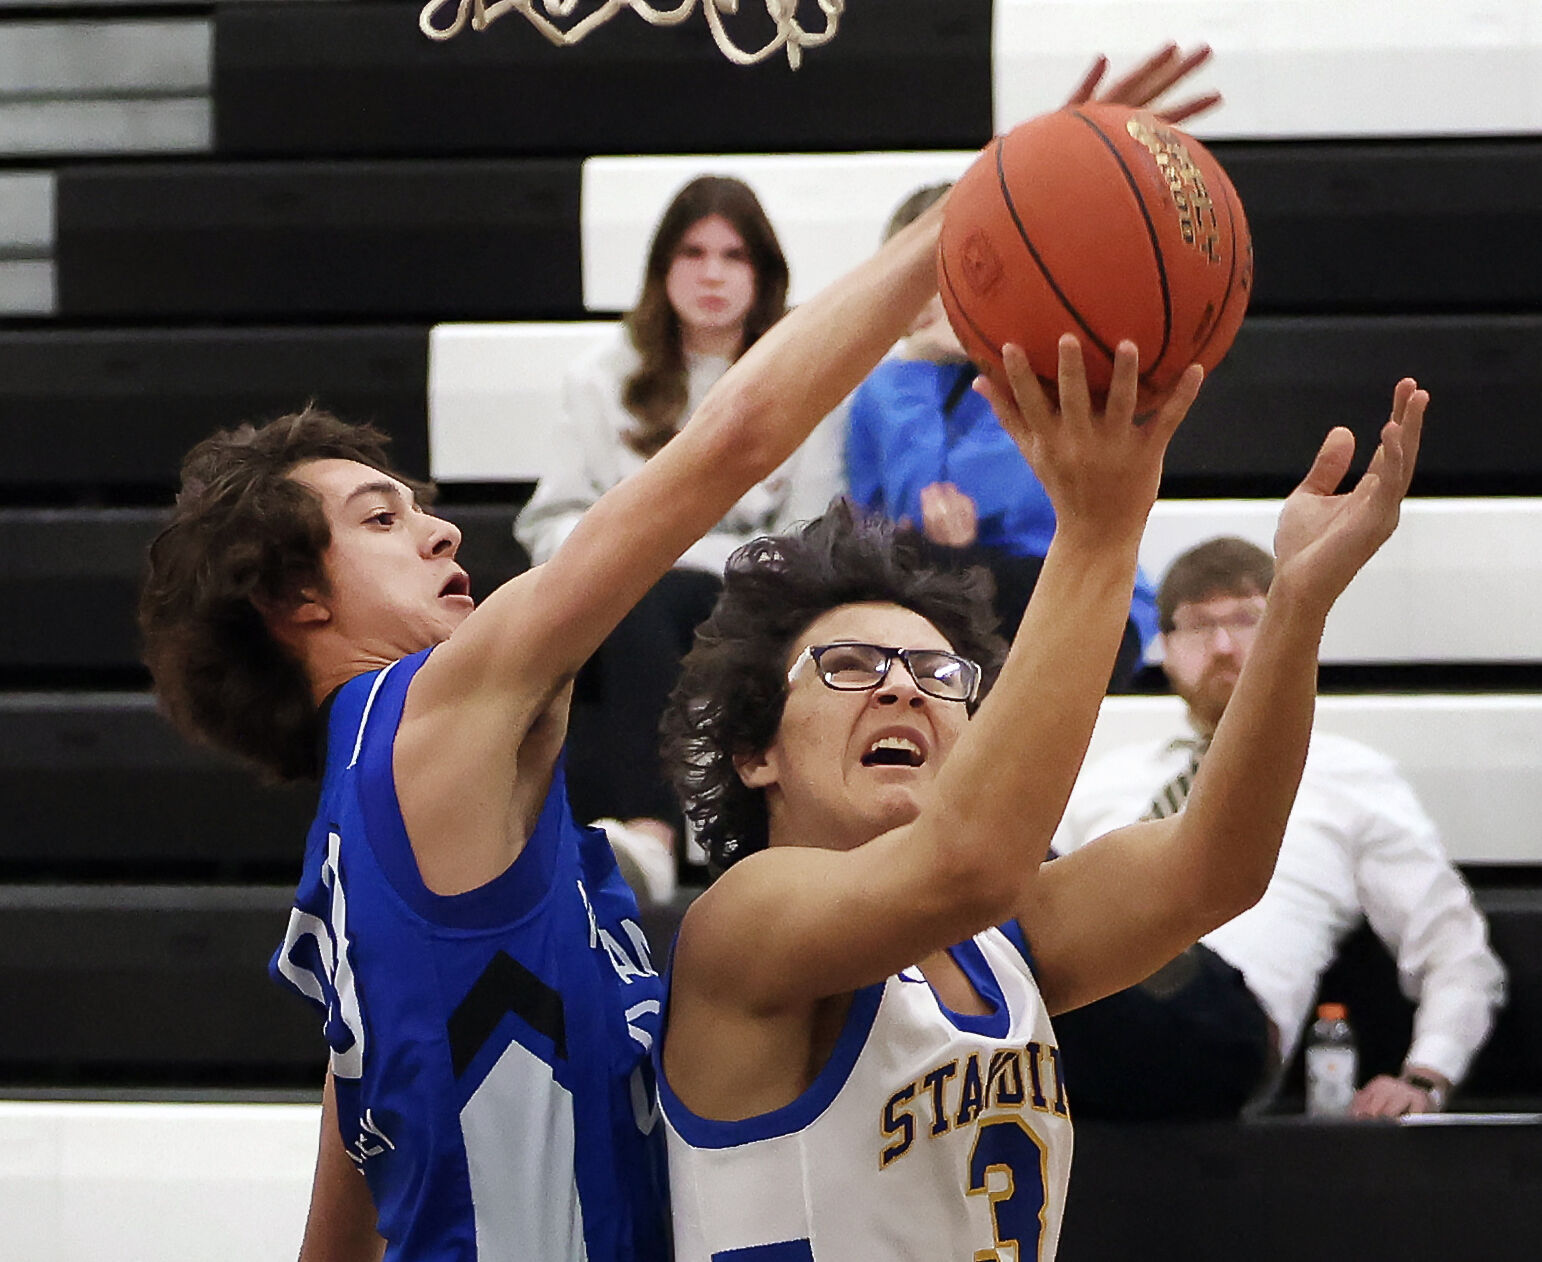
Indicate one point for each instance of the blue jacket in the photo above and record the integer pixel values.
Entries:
(914, 422)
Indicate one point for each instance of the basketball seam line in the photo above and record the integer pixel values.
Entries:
(1006, 196)
(1151, 233)
(985, 341)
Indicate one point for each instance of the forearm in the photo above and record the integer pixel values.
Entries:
(1230, 831)
(1456, 1014)
(1012, 772)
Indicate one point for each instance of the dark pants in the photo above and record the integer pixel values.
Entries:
(1190, 1042)
(618, 700)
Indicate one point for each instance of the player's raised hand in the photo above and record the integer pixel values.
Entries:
(1096, 463)
(1324, 538)
(1161, 71)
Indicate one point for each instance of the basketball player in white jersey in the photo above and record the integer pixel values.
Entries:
(858, 1060)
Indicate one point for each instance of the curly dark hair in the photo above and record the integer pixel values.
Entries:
(655, 393)
(245, 535)
(733, 683)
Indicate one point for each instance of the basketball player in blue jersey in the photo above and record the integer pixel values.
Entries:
(858, 1059)
(488, 995)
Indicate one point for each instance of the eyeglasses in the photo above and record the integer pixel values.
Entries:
(1240, 624)
(860, 667)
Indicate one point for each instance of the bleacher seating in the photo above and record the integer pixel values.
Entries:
(212, 212)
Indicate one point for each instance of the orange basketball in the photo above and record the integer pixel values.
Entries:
(1102, 221)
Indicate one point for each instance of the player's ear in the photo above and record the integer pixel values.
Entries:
(309, 608)
(757, 771)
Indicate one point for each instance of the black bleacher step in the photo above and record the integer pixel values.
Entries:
(167, 985)
(99, 785)
(1335, 227)
(85, 408)
(70, 579)
(1391, 225)
(69, 397)
(324, 240)
(1284, 1190)
(308, 78)
(155, 984)
(1262, 414)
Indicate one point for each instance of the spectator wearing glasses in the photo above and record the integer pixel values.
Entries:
(858, 1032)
(1206, 1035)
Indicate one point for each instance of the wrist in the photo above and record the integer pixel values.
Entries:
(1432, 1084)
(1095, 542)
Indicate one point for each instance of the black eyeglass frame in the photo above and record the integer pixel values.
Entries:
(815, 652)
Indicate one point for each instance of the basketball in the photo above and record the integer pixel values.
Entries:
(1105, 222)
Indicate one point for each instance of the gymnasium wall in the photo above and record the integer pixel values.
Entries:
(214, 212)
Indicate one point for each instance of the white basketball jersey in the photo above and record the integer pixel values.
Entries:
(929, 1136)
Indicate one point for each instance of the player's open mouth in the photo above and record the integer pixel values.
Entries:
(894, 751)
(458, 584)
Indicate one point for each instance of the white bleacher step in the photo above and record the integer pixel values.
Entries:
(494, 395)
(28, 285)
(1475, 762)
(226, 1180)
(829, 210)
(1461, 581)
(1293, 68)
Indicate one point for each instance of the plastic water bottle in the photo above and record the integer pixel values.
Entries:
(1332, 1063)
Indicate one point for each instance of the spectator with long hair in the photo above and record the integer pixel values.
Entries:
(715, 281)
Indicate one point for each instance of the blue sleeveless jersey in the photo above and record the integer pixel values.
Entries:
(490, 1050)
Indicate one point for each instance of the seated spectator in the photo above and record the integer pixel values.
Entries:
(1207, 1034)
(925, 448)
(715, 280)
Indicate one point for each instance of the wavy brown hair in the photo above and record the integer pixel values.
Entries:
(655, 393)
(1223, 566)
(733, 683)
(244, 536)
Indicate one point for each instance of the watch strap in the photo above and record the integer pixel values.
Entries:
(1430, 1088)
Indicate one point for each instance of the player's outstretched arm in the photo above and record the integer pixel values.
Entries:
(493, 694)
(1114, 911)
(832, 920)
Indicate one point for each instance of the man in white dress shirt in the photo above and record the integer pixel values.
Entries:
(1207, 1034)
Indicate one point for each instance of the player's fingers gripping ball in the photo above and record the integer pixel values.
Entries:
(1105, 222)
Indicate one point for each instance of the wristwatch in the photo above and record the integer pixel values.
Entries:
(1430, 1087)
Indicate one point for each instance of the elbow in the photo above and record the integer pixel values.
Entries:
(1226, 874)
(1230, 891)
